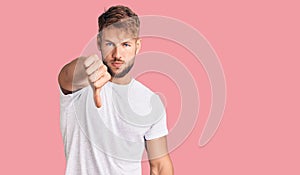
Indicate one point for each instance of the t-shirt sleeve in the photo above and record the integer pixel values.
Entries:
(159, 129)
(67, 100)
(67, 108)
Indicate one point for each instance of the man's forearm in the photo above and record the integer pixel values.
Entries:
(73, 76)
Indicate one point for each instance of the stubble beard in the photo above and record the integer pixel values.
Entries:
(123, 72)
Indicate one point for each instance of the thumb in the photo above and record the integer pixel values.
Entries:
(97, 98)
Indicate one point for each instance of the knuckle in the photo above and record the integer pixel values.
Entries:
(108, 76)
(90, 60)
(87, 62)
(91, 79)
(105, 67)
(98, 84)
(88, 71)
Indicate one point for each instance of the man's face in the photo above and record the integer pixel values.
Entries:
(118, 48)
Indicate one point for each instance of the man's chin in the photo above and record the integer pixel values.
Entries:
(116, 74)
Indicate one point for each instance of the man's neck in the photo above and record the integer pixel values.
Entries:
(123, 81)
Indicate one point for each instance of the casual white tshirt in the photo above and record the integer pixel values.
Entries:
(110, 140)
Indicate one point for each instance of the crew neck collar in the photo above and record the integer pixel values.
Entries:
(122, 85)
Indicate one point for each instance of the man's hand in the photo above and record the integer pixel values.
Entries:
(97, 75)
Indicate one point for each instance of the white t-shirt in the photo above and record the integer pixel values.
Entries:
(110, 140)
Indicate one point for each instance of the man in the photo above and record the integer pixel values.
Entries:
(108, 117)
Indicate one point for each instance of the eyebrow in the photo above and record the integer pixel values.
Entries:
(108, 41)
(124, 41)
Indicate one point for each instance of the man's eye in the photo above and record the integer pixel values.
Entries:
(126, 45)
(108, 44)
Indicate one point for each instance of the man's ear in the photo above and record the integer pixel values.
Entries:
(138, 45)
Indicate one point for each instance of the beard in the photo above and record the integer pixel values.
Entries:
(123, 72)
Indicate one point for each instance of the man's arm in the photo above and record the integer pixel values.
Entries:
(81, 72)
(159, 159)
(72, 76)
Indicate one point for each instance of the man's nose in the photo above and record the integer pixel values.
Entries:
(117, 52)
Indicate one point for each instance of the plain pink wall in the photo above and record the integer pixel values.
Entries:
(257, 43)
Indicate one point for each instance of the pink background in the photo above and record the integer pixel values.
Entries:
(257, 43)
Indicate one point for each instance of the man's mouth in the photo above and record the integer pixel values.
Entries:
(117, 64)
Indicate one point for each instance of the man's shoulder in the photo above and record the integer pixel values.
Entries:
(141, 88)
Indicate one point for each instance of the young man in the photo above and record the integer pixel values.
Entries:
(108, 117)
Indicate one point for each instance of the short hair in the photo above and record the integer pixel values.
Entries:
(121, 17)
